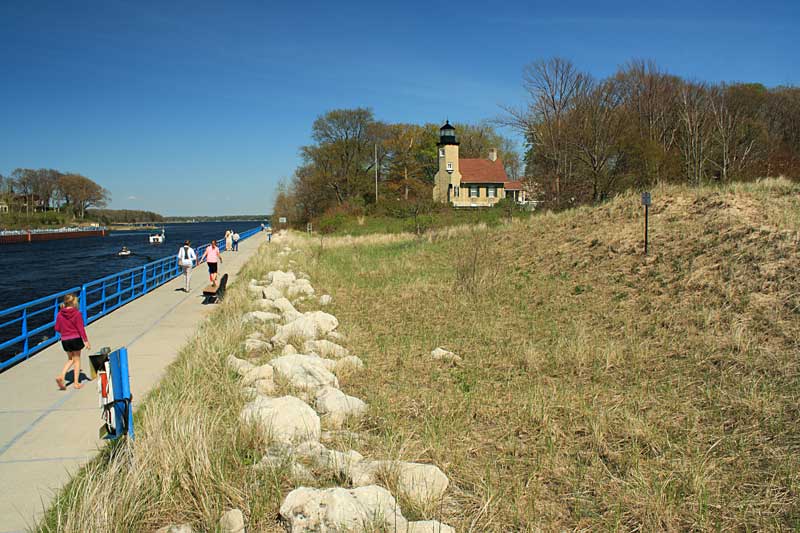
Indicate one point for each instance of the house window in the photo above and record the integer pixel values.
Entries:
(456, 190)
(449, 165)
(473, 191)
(491, 191)
(441, 152)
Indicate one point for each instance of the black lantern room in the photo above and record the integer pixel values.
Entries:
(447, 134)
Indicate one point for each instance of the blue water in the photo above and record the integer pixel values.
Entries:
(36, 269)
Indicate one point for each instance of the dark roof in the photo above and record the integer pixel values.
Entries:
(514, 186)
(482, 171)
(447, 126)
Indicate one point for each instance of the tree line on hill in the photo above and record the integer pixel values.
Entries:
(30, 191)
(352, 150)
(589, 138)
(121, 216)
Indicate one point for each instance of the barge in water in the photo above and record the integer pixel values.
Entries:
(31, 235)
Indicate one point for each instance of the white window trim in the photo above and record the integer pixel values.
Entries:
(477, 191)
(491, 191)
(449, 165)
(456, 190)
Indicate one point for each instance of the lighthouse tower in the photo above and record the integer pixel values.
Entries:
(447, 182)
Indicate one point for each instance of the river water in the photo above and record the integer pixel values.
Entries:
(32, 270)
(35, 269)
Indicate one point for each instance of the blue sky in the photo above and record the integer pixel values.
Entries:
(196, 107)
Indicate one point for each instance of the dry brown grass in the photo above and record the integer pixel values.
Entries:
(601, 389)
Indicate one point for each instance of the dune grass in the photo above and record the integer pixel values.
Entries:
(600, 389)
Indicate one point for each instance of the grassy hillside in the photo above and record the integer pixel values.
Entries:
(600, 389)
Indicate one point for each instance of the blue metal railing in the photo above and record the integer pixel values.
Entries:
(37, 318)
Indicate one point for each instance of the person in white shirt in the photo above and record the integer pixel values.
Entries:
(186, 259)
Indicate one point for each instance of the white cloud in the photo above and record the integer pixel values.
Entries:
(132, 197)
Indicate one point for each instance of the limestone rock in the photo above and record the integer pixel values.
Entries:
(288, 350)
(348, 364)
(338, 510)
(429, 526)
(335, 336)
(285, 419)
(279, 278)
(321, 457)
(300, 288)
(305, 372)
(325, 348)
(232, 522)
(335, 406)
(240, 366)
(255, 346)
(287, 310)
(264, 387)
(259, 316)
(325, 299)
(310, 326)
(271, 293)
(258, 373)
(180, 528)
(440, 354)
(419, 483)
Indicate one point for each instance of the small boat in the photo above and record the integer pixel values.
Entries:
(157, 238)
(124, 252)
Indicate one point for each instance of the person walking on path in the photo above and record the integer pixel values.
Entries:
(236, 241)
(228, 240)
(186, 260)
(69, 323)
(212, 257)
(269, 233)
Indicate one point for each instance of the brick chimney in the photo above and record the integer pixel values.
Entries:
(493, 154)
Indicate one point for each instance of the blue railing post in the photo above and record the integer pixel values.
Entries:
(33, 315)
(82, 300)
(25, 330)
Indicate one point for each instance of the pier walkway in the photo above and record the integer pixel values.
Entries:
(47, 434)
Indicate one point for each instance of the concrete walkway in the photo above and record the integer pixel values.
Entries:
(46, 434)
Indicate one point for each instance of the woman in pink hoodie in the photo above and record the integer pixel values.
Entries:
(69, 323)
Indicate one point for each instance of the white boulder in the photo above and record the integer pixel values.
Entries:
(338, 510)
(310, 326)
(305, 372)
(258, 373)
(259, 316)
(325, 348)
(325, 299)
(429, 526)
(289, 350)
(350, 363)
(286, 419)
(232, 522)
(179, 528)
(335, 407)
(240, 366)
(440, 354)
(419, 483)
(255, 346)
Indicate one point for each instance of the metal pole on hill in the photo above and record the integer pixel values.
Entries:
(646, 201)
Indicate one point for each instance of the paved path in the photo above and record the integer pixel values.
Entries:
(47, 434)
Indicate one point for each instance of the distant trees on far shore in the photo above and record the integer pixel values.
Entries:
(591, 138)
(112, 216)
(31, 191)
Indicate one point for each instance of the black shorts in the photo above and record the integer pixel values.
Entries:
(73, 345)
(212, 268)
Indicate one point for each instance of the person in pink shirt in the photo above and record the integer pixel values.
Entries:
(212, 257)
(69, 323)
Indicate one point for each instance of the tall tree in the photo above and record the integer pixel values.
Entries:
(82, 193)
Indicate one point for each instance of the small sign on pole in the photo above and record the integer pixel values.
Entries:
(646, 201)
(282, 220)
(308, 227)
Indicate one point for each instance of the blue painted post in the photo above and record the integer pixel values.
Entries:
(144, 279)
(123, 408)
(25, 330)
(82, 301)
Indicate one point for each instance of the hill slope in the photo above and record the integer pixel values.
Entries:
(600, 388)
